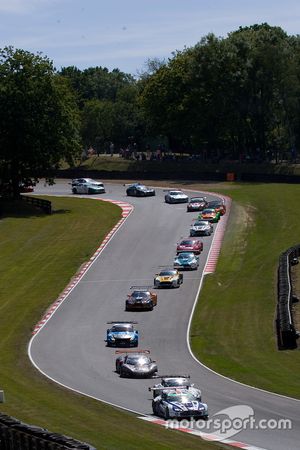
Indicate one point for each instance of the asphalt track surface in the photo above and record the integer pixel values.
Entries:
(70, 348)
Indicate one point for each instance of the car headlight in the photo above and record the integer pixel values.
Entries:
(131, 338)
(112, 338)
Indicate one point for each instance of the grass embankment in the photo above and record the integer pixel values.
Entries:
(187, 167)
(233, 326)
(38, 256)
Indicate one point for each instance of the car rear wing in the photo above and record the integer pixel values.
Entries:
(167, 388)
(173, 376)
(118, 352)
(122, 321)
(142, 288)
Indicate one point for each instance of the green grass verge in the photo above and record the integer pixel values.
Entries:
(233, 326)
(38, 256)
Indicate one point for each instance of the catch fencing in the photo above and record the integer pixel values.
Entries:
(286, 332)
(16, 435)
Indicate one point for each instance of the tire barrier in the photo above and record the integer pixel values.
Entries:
(16, 435)
(286, 333)
(45, 205)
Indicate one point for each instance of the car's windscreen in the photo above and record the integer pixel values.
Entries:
(137, 360)
(176, 193)
(200, 223)
(167, 273)
(196, 200)
(208, 211)
(140, 294)
(188, 242)
(182, 398)
(122, 328)
(176, 382)
(185, 255)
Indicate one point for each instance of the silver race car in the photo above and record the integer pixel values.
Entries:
(178, 403)
(176, 196)
(201, 228)
(135, 364)
(176, 381)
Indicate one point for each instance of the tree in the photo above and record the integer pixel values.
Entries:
(39, 118)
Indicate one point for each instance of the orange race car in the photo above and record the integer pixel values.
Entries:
(209, 214)
(218, 205)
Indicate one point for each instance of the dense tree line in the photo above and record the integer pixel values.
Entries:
(233, 97)
(236, 96)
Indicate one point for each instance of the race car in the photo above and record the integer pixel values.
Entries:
(87, 186)
(141, 298)
(135, 364)
(176, 196)
(209, 214)
(201, 228)
(139, 190)
(190, 245)
(218, 205)
(196, 204)
(122, 334)
(177, 381)
(186, 260)
(170, 278)
(178, 403)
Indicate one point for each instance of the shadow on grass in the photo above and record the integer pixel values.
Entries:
(21, 210)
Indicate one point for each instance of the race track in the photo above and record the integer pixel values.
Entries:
(70, 348)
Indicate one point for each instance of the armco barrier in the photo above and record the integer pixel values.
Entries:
(286, 333)
(16, 435)
(45, 205)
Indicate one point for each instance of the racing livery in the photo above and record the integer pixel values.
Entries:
(175, 381)
(186, 260)
(142, 298)
(135, 364)
(196, 204)
(201, 228)
(139, 190)
(190, 245)
(87, 186)
(168, 278)
(218, 205)
(178, 403)
(209, 214)
(122, 334)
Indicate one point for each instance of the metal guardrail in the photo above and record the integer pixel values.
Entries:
(45, 205)
(16, 435)
(286, 332)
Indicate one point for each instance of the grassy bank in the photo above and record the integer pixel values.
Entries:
(38, 256)
(233, 327)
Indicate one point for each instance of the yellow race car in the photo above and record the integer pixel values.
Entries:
(170, 278)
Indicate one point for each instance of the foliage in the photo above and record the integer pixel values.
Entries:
(237, 96)
(38, 117)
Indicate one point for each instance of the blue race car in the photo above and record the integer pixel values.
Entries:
(186, 260)
(122, 334)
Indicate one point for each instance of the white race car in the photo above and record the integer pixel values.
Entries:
(175, 381)
(178, 403)
(87, 186)
(176, 196)
(201, 228)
